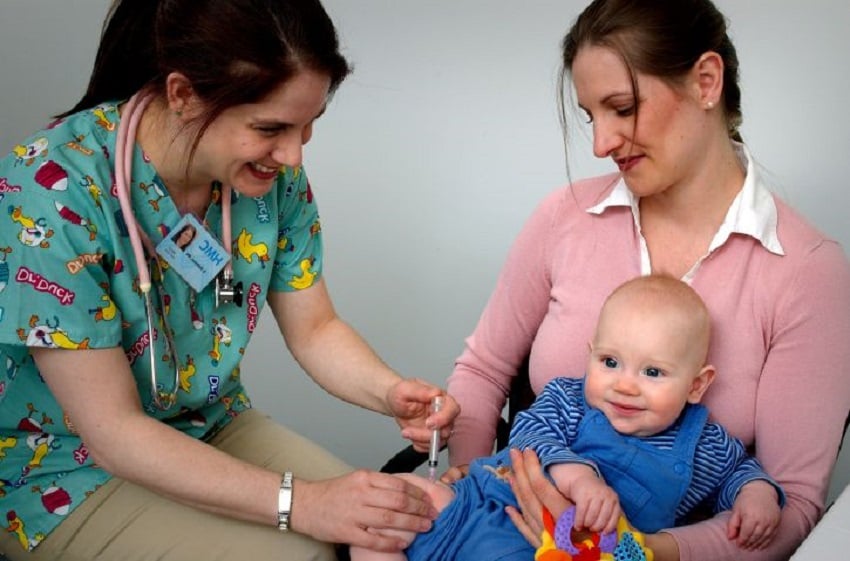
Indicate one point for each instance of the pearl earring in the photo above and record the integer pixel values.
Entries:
(709, 105)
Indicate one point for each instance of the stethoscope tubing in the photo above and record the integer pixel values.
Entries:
(125, 140)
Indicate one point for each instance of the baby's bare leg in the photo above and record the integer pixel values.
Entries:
(441, 495)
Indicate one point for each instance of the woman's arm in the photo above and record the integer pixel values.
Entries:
(102, 402)
(340, 361)
(100, 397)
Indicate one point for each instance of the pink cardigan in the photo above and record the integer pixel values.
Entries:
(781, 344)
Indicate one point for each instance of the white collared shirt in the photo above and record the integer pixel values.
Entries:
(752, 213)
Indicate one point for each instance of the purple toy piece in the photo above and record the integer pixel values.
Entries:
(563, 534)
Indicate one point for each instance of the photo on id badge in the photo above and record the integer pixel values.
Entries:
(193, 252)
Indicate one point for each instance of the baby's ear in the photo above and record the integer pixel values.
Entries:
(701, 383)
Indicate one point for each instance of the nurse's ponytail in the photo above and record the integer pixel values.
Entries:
(126, 59)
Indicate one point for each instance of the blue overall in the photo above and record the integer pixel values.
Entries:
(474, 525)
(650, 482)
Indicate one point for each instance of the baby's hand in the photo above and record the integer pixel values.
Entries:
(597, 504)
(755, 516)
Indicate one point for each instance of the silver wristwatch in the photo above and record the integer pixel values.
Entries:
(284, 502)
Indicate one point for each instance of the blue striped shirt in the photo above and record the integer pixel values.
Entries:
(721, 462)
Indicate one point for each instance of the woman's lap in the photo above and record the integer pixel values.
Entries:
(124, 521)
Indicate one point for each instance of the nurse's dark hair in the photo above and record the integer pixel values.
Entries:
(232, 51)
(661, 38)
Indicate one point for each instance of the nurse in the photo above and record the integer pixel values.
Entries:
(125, 428)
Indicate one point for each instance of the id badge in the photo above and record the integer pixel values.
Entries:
(193, 252)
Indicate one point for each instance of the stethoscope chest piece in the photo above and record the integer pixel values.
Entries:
(225, 291)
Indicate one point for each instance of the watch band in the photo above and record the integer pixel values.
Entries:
(284, 502)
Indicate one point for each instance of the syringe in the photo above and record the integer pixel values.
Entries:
(434, 450)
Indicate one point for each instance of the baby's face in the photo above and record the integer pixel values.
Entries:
(642, 370)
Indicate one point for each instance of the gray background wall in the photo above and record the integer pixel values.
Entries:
(438, 147)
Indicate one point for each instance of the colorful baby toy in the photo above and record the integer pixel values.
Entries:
(562, 543)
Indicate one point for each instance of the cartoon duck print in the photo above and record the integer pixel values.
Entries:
(8, 442)
(34, 232)
(158, 192)
(315, 228)
(14, 525)
(102, 119)
(26, 154)
(41, 444)
(50, 336)
(284, 244)
(76, 144)
(109, 310)
(305, 279)
(186, 374)
(87, 182)
(222, 335)
(247, 250)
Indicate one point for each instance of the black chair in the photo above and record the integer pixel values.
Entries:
(520, 397)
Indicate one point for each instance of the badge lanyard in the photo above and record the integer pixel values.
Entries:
(225, 290)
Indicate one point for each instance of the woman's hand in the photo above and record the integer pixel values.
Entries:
(339, 510)
(533, 491)
(409, 401)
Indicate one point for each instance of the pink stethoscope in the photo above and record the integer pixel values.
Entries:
(225, 291)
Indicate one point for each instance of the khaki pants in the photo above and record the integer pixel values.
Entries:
(124, 522)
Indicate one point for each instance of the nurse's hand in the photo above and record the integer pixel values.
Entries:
(409, 401)
(533, 491)
(339, 510)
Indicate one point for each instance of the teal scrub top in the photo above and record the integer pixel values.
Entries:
(69, 279)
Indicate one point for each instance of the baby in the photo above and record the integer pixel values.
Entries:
(629, 438)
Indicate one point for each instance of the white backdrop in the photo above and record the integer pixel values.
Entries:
(437, 148)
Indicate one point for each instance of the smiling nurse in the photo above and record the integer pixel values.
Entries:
(127, 430)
